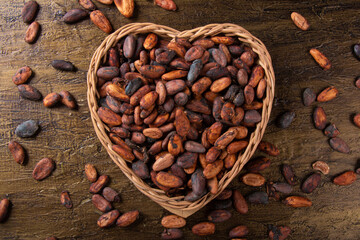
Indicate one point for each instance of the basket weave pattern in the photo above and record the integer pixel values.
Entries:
(177, 205)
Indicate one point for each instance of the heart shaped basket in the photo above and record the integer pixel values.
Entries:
(177, 205)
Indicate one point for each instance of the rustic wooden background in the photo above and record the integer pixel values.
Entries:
(68, 137)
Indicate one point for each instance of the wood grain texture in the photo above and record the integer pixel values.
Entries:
(67, 136)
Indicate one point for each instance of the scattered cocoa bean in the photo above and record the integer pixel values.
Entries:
(217, 216)
(171, 233)
(173, 221)
(279, 233)
(111, 195)
(108, 219)
(65, 199)
(17, 151)
(345, 178)
(289, 174)
(101, 203)
(258, 164)
(311, 183)
(63, 65)
(4, 209)
(203, 229)
(300, 21)
(29, 11)
(320, 59)
(240, 204)
(32, 32)
(258, 198)
(87, 4)
(239, 231)
(99, 184)
(43, 169)
(339, 145)
(75, 15)
(331, 131)
(321, 166)
(286, 119)
(319, 117)
(328, 94)
(128, 218)
(308, 97)
(101, 21)
(297, 202)
(29, 92)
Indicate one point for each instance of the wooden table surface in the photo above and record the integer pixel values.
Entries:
(68, 137)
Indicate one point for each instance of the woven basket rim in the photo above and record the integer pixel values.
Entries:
(176, 204)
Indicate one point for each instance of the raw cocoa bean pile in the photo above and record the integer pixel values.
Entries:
(181, 112)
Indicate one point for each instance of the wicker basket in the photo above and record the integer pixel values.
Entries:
(177, 205)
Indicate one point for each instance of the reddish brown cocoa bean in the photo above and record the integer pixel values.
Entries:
(339, 145)
(279, 233)
(99, 184)
(239, 202)
(203, 229)
(311, 183)
(217, 216)
(239, 231)
(345, 178)
(101, 203)
(258, 164)
(108, 219)
(43, 169)
(4, 209)
(66, 200)
(29, 11)
(289, 174)
(111, 195)
(297, 202)
(17, 151)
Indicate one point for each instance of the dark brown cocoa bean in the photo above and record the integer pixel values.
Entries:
(339, 145)
(311, 183)
(193, 53)
(75, 15)
(252, 116)
(29, 11)
(217, 73)
(65, 66)
(289, 174)
(194, 147)
(187, 159)
(111, 195)
(4, 209)
(258, 198)
(258, 164)
(286, 119)
(198, 182)
(218, 216)
(172, 233)
(29, 92)
(279, 233)
(308, 97)
(331, 131)
(268, 148)
(152, 71)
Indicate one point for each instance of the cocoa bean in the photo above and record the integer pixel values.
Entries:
(109, 117)
(32, 32)
(163, 161)
(356, 50)
(203, 229)
(101, 203)
(87, 4)
(253, 179)
(331, 131)
(345, 178)
(29, 92)
(140, 169)
(252, 116)
(289, 174)
(220, 84)
(258, 164)
(194, 71)
(154, 133)
(236, 50)
(65, 199)
(212, 169)
(239, 98)
(29, 11)
(99, 184)
(308, 97)
(111, 195)
(51, 99)
(4, 209)
(279, 233)
(339, 145)
(297, 202)
(321, 166)
(300, 21)
(217, 73)
(108, 219)
(258, 198)
(17, 151)
(171, 233)
(229, 161)
(223, 40)
(356, 120)
(101, 21)
(63, 65)
(285, 119)
(268, 148)
(282, 187)
(198, 181)
(225, 139)
(43, 169)
(261, 88)
(68, 100)
(75, 15)
(187, 159)
(328, 94)
(239, 231)
(22, 75)
(168, 180)
(173, 221)
(239, 202)
(212, 154)
(236, 146)
(217, 216)
(228, 111)
(27, 129)
(180, 64)
(320, 59)
(90, 172)
(311, 183)
(194, 147)
(152, 71)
